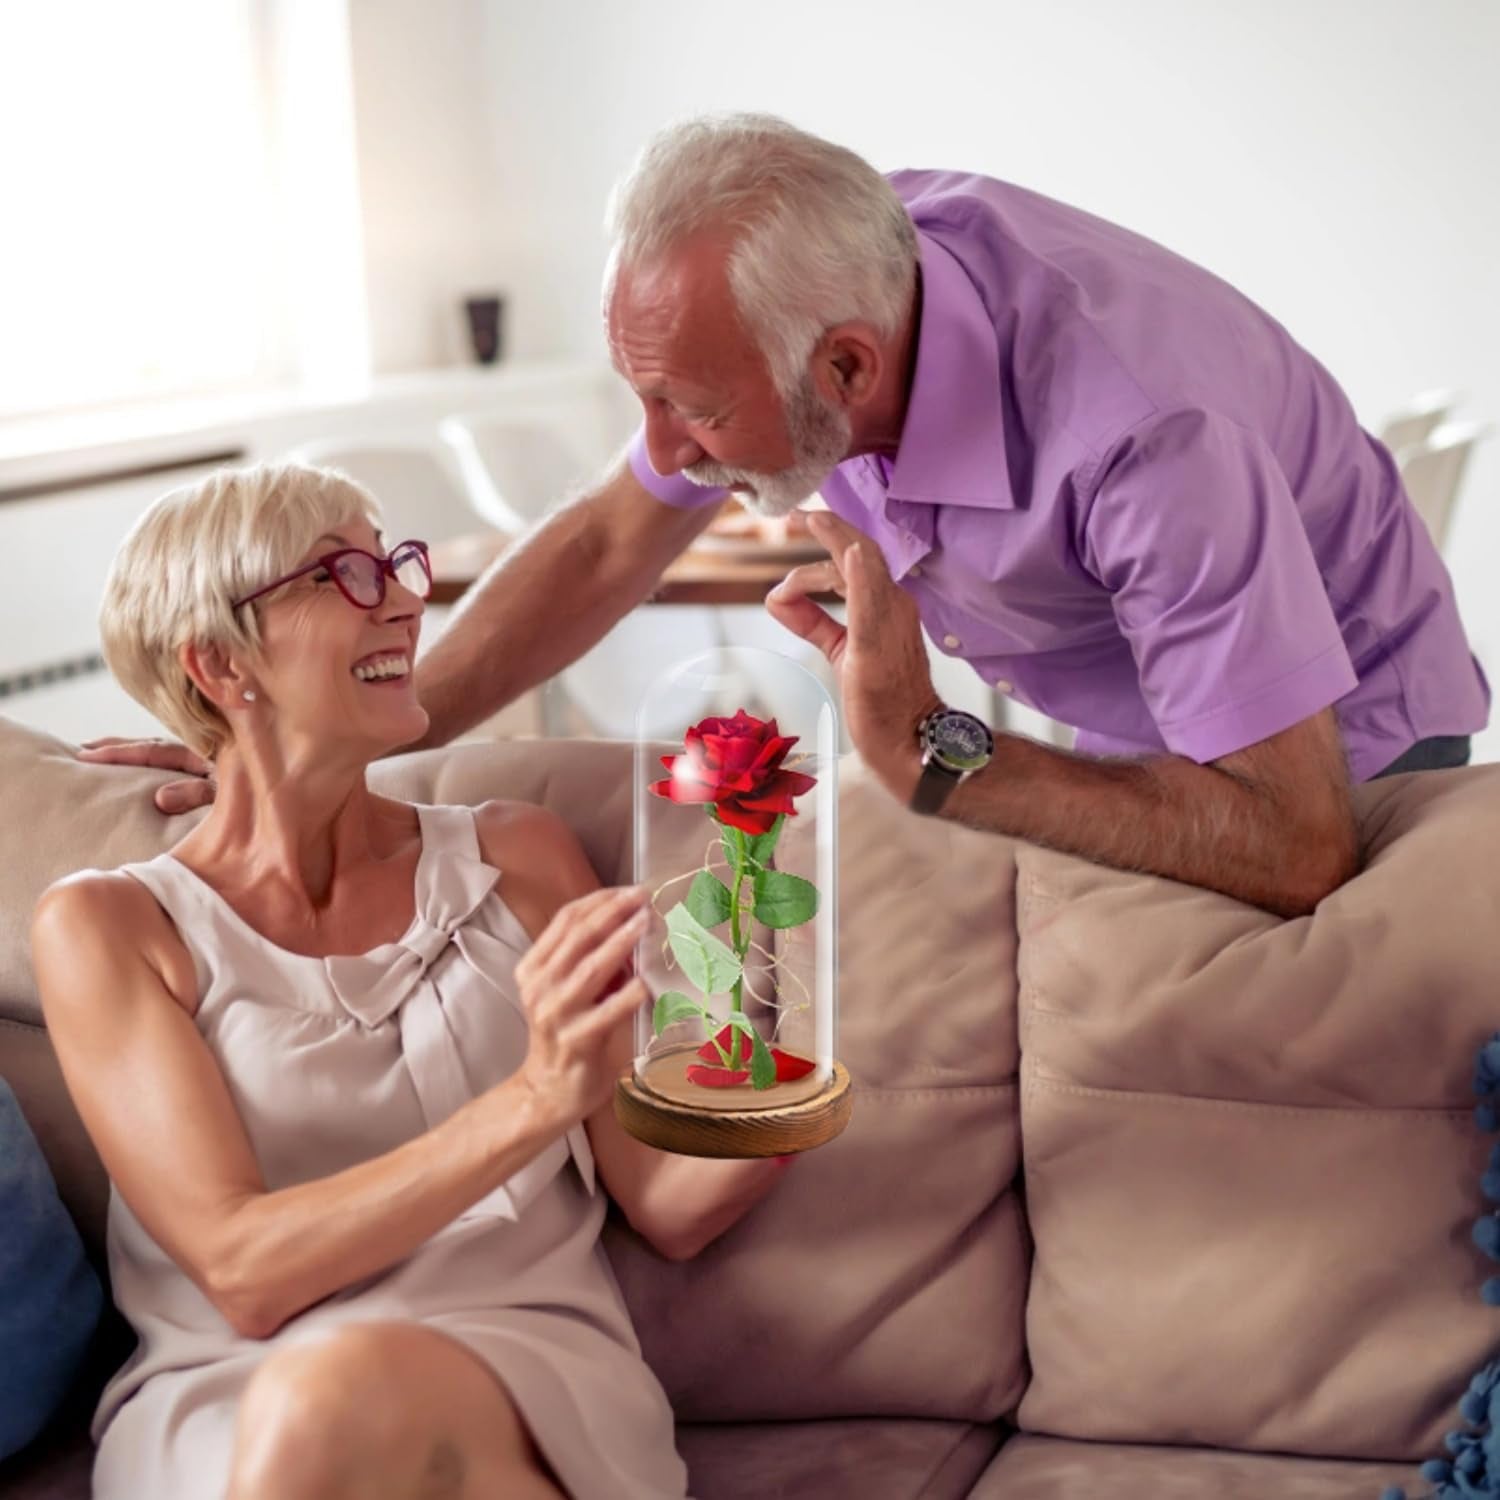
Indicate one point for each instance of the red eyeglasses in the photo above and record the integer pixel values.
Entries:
(361, 576)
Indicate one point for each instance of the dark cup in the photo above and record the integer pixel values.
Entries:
(486, 317)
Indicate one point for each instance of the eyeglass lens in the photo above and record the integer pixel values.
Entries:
(364, 579)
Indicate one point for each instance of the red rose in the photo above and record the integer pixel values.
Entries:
(735, 764)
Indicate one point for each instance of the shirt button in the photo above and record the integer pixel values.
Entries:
(915, 570)
(1002, 686)
(952, 642)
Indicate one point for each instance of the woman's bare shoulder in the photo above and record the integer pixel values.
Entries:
(522, 829)
(107, 898)
(541, 858)
(98, 917)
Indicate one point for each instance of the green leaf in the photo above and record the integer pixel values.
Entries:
(710, 964)
(761, 846)
(783, 900)
(708, 899)
(762, 1064)
(733, 841)
(673, 1006)
(755, 849)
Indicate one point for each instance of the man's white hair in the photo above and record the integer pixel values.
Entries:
(819, 236)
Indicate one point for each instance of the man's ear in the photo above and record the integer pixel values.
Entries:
(847, 364)
(215, 675)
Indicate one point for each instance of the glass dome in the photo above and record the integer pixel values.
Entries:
(736, 826)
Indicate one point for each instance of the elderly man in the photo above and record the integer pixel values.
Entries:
(1104, 478)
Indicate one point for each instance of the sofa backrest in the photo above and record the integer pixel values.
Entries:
(1252, 1165)
(886, 1275)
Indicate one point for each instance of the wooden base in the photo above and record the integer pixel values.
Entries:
(740, 1133)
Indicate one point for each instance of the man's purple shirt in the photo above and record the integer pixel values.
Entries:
(1124, 493)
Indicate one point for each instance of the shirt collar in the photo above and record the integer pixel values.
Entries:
(952, 448)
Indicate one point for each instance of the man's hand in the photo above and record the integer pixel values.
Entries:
(879, 658)
(162, 755)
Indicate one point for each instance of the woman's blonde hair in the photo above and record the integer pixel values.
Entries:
(192, 553)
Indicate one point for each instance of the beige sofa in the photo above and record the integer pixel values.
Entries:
(1146, 1193)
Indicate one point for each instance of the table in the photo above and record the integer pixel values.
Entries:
(721, 575)
(725, 574)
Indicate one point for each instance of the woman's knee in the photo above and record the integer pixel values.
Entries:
(366, 1404)
(305, 1421)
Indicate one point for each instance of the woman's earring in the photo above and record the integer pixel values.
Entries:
(248, 696)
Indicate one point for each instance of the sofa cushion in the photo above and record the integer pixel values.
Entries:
(889, 1459)
(57, 1466)
(1038, 1468)
(1251, 1162)
(886, 1275)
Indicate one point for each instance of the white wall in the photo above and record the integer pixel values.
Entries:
(1336, 160)
(434, 222)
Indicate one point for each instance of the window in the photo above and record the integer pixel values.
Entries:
(152, 203)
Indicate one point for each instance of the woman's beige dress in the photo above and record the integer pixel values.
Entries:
(332, 1061)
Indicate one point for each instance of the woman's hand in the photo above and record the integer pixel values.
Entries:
(161, 755)
(578, 991)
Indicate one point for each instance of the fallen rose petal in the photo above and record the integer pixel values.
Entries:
(789, 1068)
(717, 1078)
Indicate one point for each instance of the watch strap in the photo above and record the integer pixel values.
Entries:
(934, 786)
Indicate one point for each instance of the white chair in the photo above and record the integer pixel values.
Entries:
(1416, 420)
(515, 469)
(419, 492)
(1433, 471)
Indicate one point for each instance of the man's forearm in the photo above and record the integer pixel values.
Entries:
(1163, 816)
(538, 608)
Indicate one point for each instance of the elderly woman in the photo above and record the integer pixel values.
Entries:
(348, 1061)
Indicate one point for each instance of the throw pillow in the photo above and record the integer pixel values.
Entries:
(50, 1298)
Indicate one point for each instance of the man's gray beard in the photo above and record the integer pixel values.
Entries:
(820, 435)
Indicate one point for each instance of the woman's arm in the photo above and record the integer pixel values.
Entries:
(679, 1204)
(118, 993)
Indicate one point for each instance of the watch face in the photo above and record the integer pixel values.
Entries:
(959, 740)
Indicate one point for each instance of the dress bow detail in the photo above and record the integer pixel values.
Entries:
(372, 987)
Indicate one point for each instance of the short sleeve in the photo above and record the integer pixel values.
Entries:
(1193, 529)
(670, 489)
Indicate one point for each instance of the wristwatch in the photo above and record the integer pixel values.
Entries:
(954, 746)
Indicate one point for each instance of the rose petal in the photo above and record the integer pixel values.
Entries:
(680, 791)
(694, 773)
(731, 812)
(716, 1078)
(740, 757)
(772, 752)
(683, 768)
(741, 1054)
(719, 724)
(790, 1067)
(697, 750)
(779, 791)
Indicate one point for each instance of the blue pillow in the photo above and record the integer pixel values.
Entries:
(50, 1299)
(1472, 1469)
